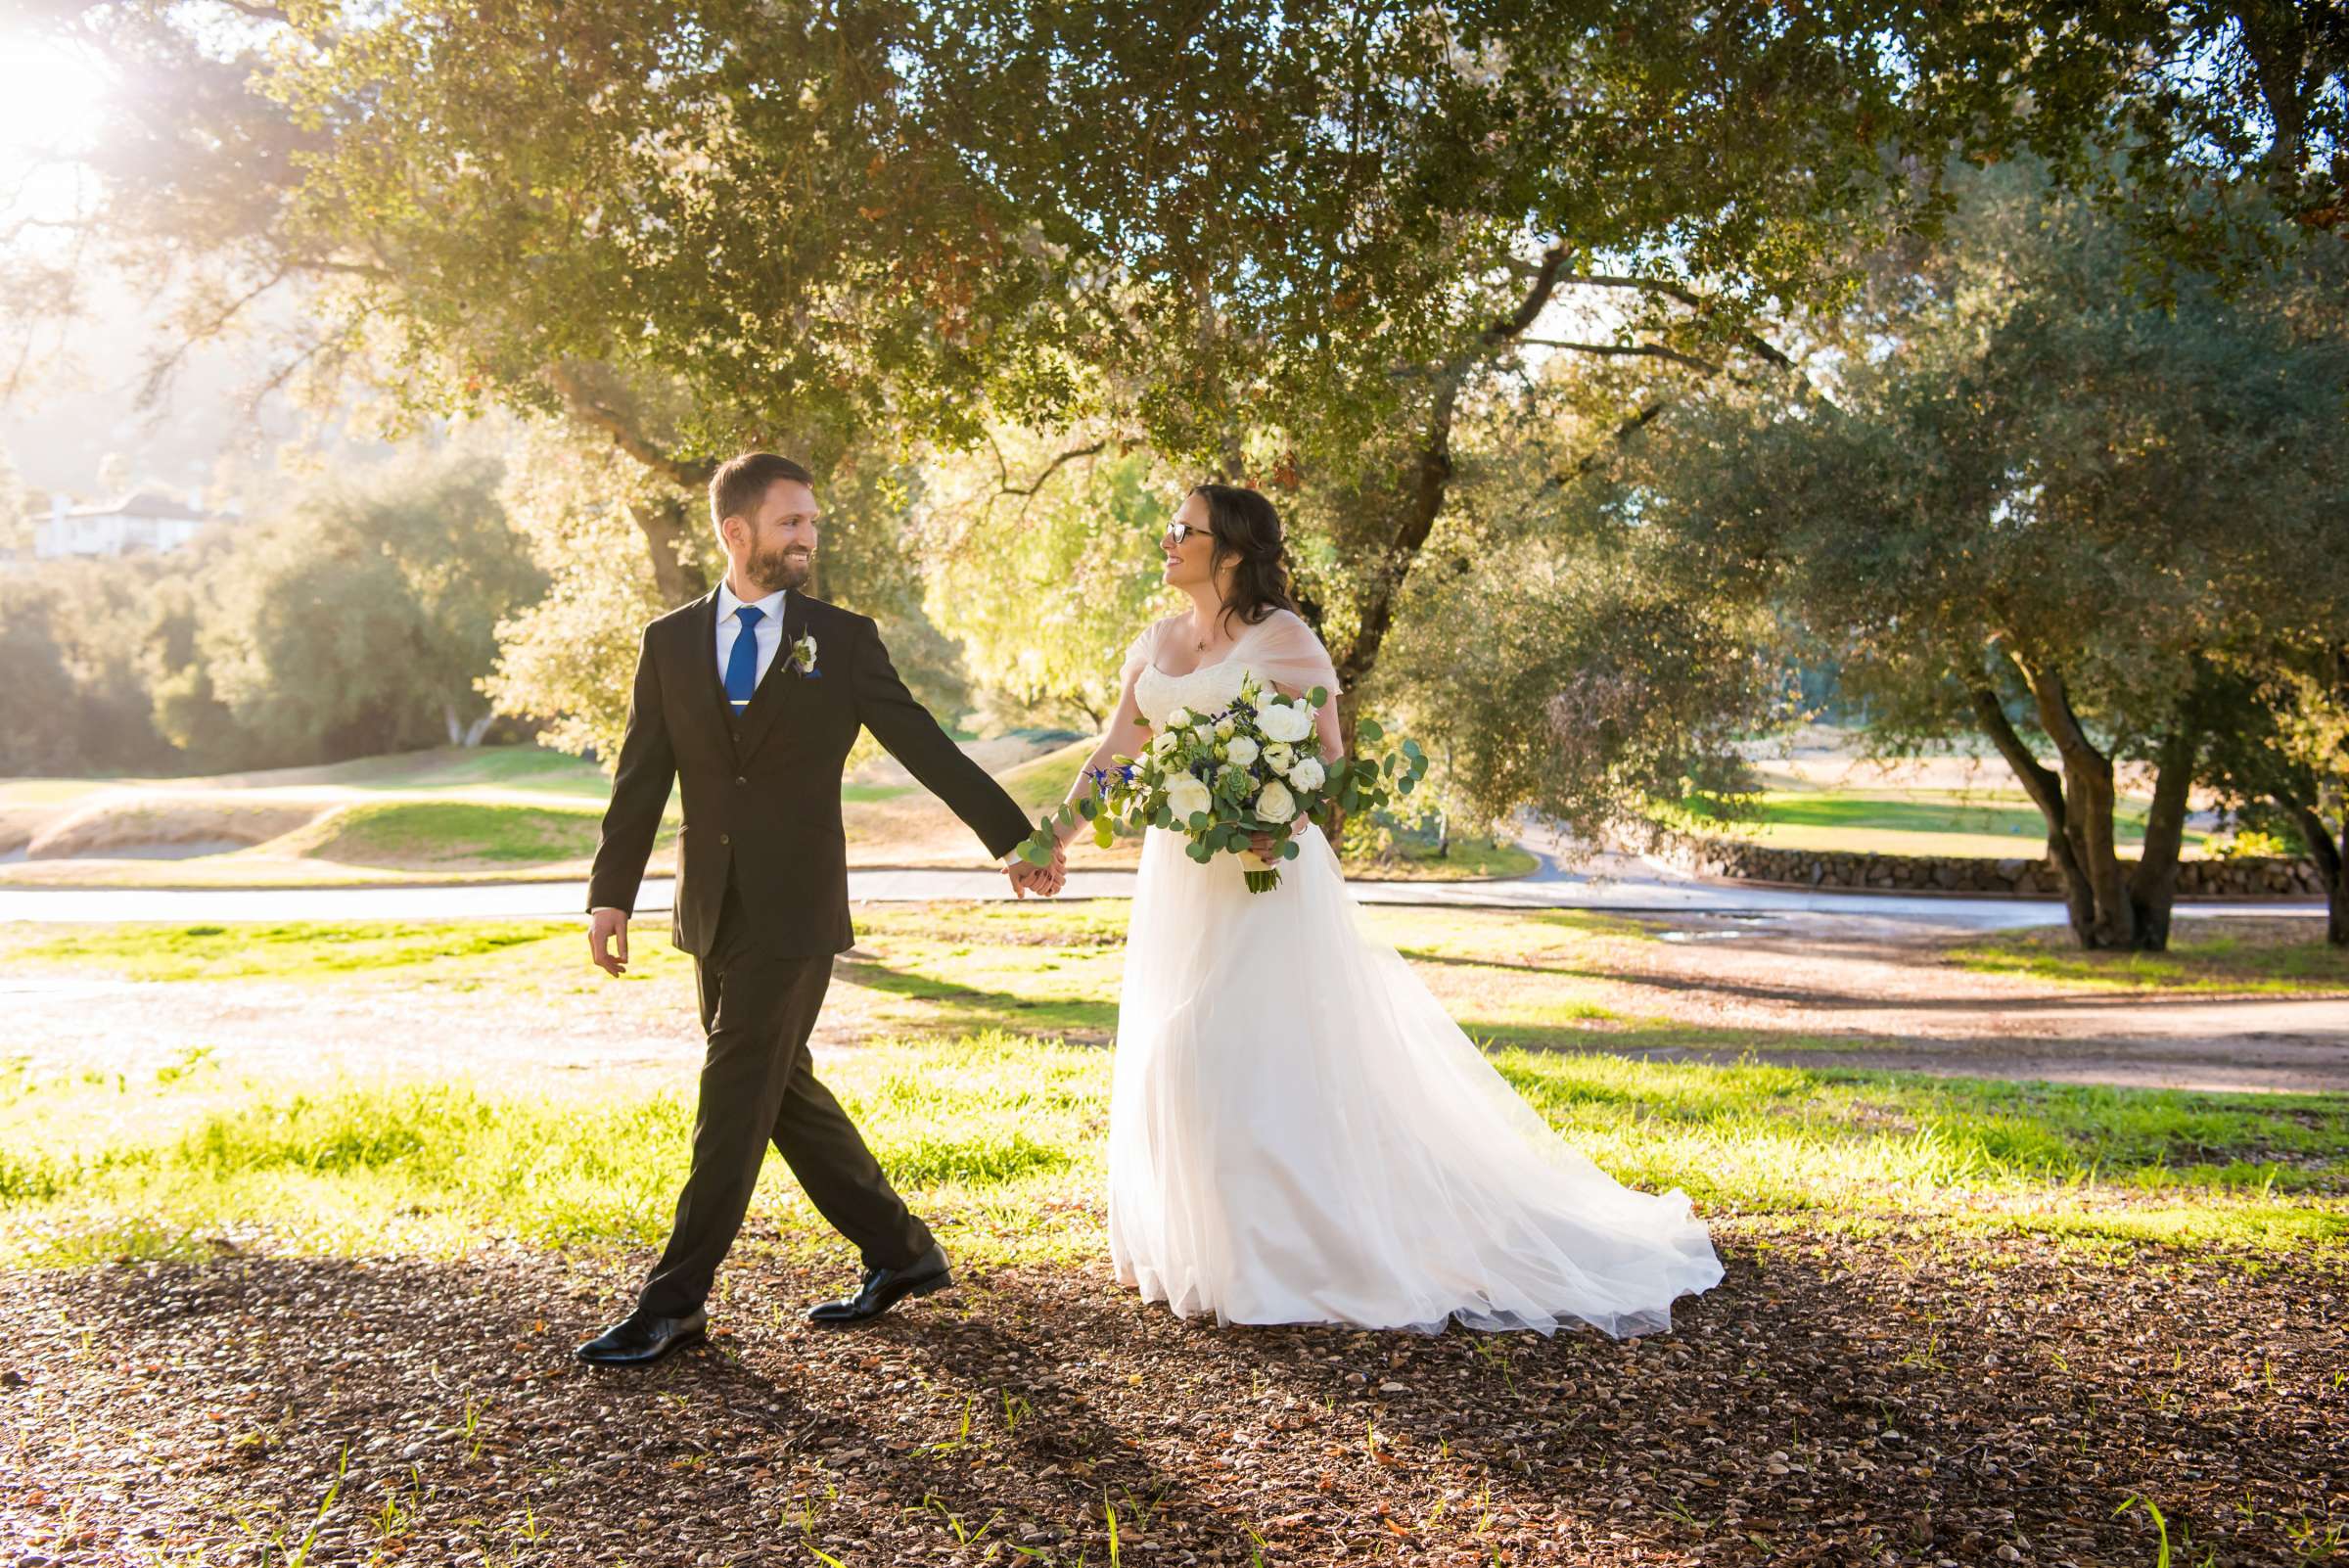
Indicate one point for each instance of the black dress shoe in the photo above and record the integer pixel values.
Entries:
(883, 1288)
(639, 1338)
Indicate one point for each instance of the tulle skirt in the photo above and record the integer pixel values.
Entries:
(1299, 1133)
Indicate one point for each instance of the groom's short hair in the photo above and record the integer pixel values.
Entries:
(740, 483)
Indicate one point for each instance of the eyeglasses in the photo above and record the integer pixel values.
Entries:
(1176, 532)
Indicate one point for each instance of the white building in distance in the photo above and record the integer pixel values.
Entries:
(147, 521)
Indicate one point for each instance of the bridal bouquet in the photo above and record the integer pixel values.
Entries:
(1223, 778)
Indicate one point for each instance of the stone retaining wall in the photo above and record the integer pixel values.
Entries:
(1743, 861)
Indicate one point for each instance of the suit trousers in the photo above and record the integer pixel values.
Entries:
(759, 1086)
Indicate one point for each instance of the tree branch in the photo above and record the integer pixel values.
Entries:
(623, 431)
(1050, 469)
(158, 372)
(2042, 783)
(1546, 284)
(1621, 433)
(1650, 350)
(1702, 304)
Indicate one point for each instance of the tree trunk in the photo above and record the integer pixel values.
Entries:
(2333, 862)
(2110, 906)
(461, 734)
(668, 535)
(600, 400)
(2088, 805)
(2154, 885)
(1426, 481)
(2046, 788)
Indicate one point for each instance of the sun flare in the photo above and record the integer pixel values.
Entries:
(51, 101)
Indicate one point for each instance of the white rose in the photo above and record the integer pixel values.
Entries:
(1307, 774)
(1180, 718)
(1186, 796)
(1274, 802)
(1164, 742)
(1242, 750)
(1286, 721)
(1280, 755)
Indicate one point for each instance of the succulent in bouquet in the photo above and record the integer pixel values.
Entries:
(1221, 779)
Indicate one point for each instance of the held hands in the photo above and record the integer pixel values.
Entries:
(1043, 881)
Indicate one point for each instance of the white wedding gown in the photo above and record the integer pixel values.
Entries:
(1299, 1133)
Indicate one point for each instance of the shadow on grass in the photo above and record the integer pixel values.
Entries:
(1963, 995)
(954, 1009)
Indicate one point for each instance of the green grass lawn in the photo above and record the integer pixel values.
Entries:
(982, 1084)
(511, 811)
(447, 768)
(1000, 1136)
(451, 768)
(1991, 823)
(281, 950)
(2203, 956)
(405, 833)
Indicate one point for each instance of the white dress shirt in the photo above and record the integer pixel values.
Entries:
(770, 630)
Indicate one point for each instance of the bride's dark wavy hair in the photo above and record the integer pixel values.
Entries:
(1247, 529)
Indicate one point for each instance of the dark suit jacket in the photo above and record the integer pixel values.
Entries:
(763, 791)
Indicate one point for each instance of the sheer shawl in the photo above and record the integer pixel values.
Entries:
(1281, 648)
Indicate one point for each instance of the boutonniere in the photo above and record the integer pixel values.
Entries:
(803, 658)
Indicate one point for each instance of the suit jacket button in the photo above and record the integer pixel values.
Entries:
(739, 779)
(724, 839)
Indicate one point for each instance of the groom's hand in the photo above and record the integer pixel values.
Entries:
(1042, 880)
(605, 927)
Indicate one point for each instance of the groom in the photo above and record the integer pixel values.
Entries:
(751, 696)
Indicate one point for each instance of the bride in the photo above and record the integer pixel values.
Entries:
(1298, 1131)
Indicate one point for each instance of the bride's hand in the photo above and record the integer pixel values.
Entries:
(1265, 845)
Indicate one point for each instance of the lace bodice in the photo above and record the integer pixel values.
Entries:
(1281, 650)
(1208, 689)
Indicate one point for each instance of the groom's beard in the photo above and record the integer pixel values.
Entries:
(775, 571)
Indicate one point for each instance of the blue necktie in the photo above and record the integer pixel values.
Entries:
(742, 665)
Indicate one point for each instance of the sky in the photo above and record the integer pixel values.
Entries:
(52, 104)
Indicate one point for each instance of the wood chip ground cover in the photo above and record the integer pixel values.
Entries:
(1902, 1397)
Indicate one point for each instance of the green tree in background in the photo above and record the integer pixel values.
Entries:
(1045, 589)
(1574, 669)
(563, 659)
(572, 502)
(40, 716)
(360, 621)
(2283, 762)
(2031, 507)
(1290, 245)
(17, 523)
(77, 670)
